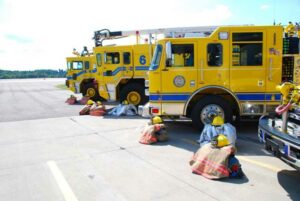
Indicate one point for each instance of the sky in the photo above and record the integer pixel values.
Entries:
(40, 34)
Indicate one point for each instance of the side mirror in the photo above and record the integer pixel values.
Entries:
(168, 50)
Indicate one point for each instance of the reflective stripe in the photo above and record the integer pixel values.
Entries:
(169, 97)
(77, 74)
(142, 68)
(258, 97)
(241, 97)
(116, 71)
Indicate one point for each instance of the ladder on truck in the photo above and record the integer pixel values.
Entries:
(106, 34)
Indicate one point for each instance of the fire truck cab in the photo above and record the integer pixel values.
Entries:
(121, 71)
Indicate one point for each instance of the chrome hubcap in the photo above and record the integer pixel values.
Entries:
(209, 112)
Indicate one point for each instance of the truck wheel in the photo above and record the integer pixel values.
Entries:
(134, 94)
(90, 91)
(209, 107)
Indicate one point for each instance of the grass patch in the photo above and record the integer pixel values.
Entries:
(62, 86)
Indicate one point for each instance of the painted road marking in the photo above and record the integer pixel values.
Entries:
(270, 167)
(261, 164)
(61, 181)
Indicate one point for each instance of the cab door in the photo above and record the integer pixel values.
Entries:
(248, 70)
(127, 61)
(214, 69)
(178, 77)
(248, 65)
(98, 74)
(88, 65)
(112, 71)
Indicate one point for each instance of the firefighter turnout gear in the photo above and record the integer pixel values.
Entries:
(154, 132)
(212, 162)
(97, 109)
(71, 100)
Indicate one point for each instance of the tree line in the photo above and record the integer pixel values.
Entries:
(7, 74)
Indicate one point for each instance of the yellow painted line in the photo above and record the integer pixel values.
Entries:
(61, 181)
(261, 164)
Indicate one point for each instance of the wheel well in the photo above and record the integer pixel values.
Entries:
(85, 82)
(213, 91)
(124, 82)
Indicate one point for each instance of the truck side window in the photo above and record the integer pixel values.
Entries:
(77, 65)
(99, 61)
(113, 58)
(182, 55)
(215, 54)
(247, 49)
(126, 57)
(86, 65)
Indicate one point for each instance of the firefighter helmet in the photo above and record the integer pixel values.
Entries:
(220, 141)
(90, 102)
(218, 121)
(156, 120)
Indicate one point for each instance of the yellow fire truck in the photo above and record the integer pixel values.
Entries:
(104, 74)
(121, 72)
(80, 70)
(231, 72)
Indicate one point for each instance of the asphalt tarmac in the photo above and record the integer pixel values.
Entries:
(49, 152)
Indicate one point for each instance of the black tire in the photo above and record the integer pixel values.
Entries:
(204, 103)
(136, 88)
(88, 87)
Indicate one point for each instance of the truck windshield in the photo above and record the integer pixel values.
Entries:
(156, 57)
(77, 65)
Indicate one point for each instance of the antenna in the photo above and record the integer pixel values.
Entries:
(274, 12)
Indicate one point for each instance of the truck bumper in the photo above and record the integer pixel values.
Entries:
(282, 145)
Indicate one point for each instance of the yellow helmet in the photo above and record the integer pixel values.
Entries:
(125, 102)
(99, 103)
(218, 121)
(90, 102)
(220, 141)
(156, 120)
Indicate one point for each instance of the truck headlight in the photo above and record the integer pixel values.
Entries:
(249, 108)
